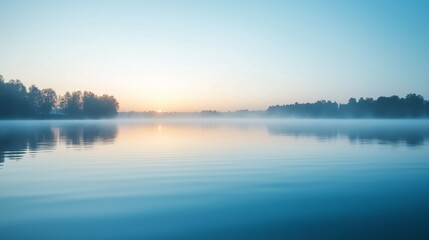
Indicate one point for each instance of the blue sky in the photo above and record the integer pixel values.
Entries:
(225, 55)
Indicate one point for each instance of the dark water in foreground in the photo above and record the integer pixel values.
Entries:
(208, 179)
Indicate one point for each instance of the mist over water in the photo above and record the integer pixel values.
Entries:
(214, 179)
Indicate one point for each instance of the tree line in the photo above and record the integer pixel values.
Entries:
(411, 106)
(16, 101)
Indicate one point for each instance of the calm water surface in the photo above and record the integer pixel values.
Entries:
(214, 179)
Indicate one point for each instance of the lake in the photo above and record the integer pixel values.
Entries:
(214, 179)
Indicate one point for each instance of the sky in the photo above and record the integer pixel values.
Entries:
(223, 55)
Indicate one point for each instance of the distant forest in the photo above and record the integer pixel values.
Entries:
(412, 106)
(18, 102)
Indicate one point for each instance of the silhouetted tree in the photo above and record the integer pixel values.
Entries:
(49, 99)
(17, 102)
(35, 98)
(89, 105)
(412, 106)
(14, 100)
(99, 106)
(71, 104)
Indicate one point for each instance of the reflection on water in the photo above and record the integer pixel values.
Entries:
(214, 179)
(412, 133)
(88, 134)
(21, 137)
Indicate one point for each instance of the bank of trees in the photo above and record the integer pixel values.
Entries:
(16, 101)
(87, 104)
(411, 106)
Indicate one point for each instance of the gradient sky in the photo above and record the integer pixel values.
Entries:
(224, 55)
